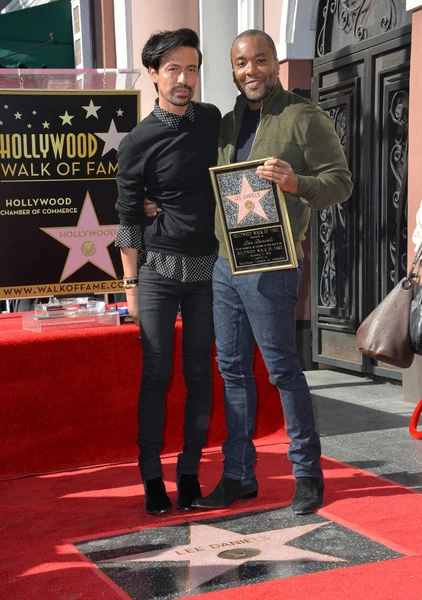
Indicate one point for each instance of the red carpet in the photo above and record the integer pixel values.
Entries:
(40, 515)
(68, 398)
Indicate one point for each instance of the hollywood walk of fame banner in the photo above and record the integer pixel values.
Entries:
(254, 218)
(58, 190)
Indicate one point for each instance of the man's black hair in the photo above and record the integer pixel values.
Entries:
(254, 32)
(167, 41)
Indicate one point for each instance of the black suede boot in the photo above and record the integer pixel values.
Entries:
(156, 499)
(188, 489)
(308, 495)
(226, 492)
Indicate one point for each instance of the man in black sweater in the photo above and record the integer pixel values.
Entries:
(165, 158)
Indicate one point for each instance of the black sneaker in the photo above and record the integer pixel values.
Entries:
(308, 495)
(156, 499)
(226, 492)
(188, 489)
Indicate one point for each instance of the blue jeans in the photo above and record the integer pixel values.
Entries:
(261, 307)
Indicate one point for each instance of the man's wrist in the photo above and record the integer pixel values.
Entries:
(130, 282)
(296, 192)
(296, 188)
(131, 291)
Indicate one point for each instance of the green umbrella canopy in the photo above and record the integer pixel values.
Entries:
(22, 29)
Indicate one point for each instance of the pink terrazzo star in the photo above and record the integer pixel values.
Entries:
(207, 543)
(248, 200)
(88, 241)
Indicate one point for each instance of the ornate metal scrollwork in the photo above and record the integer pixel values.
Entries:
(328, 278)
(398, 126)
(345, 22)
(333, 234)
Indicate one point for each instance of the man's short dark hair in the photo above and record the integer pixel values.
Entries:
(254, 32)
(167, 41)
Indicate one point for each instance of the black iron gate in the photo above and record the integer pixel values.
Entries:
(358, 249)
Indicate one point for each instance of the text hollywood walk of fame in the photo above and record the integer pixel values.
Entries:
(32, 147)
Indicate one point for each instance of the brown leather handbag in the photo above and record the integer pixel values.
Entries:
(384, 334)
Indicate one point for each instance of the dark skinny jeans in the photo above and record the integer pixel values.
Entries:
(159, 301)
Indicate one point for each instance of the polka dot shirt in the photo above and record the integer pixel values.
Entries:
(187, 269)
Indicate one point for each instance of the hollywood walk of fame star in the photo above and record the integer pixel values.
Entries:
(17, 115)
(66, 118)
(87, 241)
(248, 200)
(46, 125)
(112, 138)
(120, 112)
(91, 110)
(207, 543)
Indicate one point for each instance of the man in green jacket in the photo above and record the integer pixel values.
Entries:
(311, 170)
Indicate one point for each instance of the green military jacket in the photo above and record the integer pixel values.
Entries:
(300, 133)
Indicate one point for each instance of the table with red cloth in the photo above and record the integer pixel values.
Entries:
(69, 398)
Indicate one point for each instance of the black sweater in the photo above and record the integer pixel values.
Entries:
(170, 167)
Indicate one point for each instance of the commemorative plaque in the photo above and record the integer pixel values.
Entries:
(254, 218)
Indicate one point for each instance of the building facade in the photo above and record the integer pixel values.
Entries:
(361, 61)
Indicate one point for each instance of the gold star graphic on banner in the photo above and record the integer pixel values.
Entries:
(87, 241)
(46, 125)
(17, 115)
(91, 110)
(112, 138)
(29, 125)
(6, 106)
(66, 118)
(34, 112)
(120, 112)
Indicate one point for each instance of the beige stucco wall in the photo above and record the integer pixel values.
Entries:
(158, 15)
(272, 18)
(103, 20)
(296, 74)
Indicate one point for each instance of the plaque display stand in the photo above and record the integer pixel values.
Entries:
(73, 313)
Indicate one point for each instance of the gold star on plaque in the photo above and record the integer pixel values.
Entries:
(34, 112)
(17, 115)
(91, 110)
(66, 118)
(46, 125)
(1, 122)
(119, 112)
(6, 106)
(29, 125)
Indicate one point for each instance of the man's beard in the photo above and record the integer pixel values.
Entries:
(250, 97)
(173, 99)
